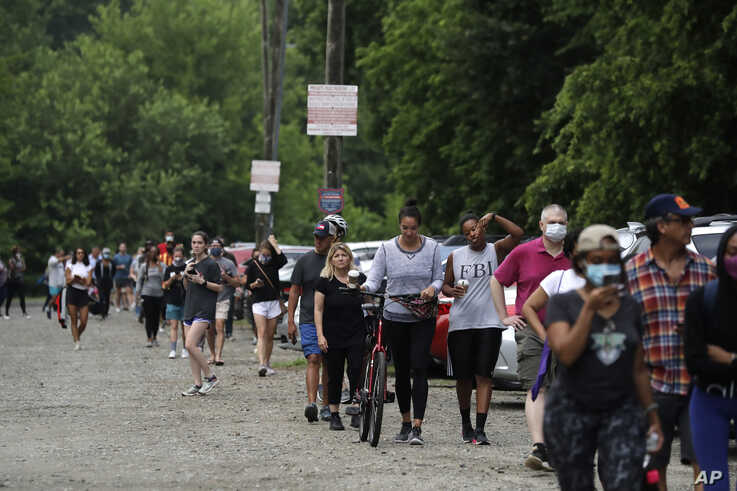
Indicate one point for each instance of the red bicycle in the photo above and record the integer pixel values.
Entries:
(372, 393)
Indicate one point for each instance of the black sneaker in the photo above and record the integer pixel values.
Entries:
(538, 458)
(403, 435)
(352, 410)
(467, 433)
(479, 438)
(335, 423)
(325, 413)
(311, 412)
(415, 436)
(355, 421)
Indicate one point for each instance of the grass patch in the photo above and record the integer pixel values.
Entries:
(297, 362)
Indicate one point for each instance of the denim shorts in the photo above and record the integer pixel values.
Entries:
(174, 312)
(308, 337)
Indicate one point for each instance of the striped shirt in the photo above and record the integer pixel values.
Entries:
(663, 304)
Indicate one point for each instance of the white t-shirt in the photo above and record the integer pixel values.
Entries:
(561, 281)
(78, 269)
(56, 273)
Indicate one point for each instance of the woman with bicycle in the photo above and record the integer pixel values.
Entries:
(263, 281)
(411, 263)
(340, 325)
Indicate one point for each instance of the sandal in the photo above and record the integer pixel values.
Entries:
(219, 363)
(210, 362)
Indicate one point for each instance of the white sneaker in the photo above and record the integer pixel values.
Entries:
(77, 346)
(172, 354)
(270, 371)
(117, 310)
(6, 317)
(185, 353)
(28, 316)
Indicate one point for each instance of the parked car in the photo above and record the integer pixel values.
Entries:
(363, 253)
(704, 237)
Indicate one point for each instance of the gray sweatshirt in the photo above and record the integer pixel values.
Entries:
(150, 285)
(406, 273)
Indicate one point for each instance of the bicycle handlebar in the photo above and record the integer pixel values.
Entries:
(357, 291)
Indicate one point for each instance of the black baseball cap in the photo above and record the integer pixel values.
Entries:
(663, 204)
(325, 229)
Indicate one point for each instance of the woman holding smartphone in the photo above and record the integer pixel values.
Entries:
(78, 275)
(202, 284)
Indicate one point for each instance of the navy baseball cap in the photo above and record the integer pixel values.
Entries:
(663, 204)
(325, 229)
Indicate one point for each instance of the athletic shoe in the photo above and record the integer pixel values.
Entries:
(156, 342)
(479, 438)
(538, 458)
(353, 410)
(270, 371)
(149, 344)
(403, 435)
(27, 316)
(262, 371)
(325, 413)
(192, 391)
(415, 436)
(355, 421)
(345, 397)
(48, 313)
(6, 317)
(172, 354)
(467, 433)
(254, 341)
(117, 310)
(335, 423)
(311, 412)
(208, 384)
(77, 346)
(185, 353)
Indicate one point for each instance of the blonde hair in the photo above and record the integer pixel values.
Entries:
(329, 270)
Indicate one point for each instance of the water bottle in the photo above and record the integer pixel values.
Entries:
(652, 476)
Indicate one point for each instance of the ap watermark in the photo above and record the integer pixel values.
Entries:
(709, 477)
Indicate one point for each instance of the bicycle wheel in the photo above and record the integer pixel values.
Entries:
(377, 397)
(365, 403)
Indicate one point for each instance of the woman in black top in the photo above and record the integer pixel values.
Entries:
(263, 281)
(16, 268)
(202, 283)
(104, 272)
(602, 393)
(340, 326)
(711, 358)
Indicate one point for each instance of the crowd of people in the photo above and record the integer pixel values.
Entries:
(615, 357)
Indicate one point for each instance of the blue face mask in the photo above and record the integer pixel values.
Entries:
(596, 273)
(264, 259)
(215, 251)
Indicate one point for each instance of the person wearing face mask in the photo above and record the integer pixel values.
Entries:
(263, 282)
(104, 273)
(526, 266)
(229, 277)
(711, 359)
(149, 288)
(602, 397)
(166, 249)
(660, 280)
(174, 300)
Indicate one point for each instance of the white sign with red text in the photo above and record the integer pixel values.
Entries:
(332, 110)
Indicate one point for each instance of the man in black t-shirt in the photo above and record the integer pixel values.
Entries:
(304, 279)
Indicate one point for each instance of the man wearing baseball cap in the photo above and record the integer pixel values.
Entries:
(304, 278)
(661, 279)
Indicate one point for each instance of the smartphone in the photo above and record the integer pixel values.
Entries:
(612, 279)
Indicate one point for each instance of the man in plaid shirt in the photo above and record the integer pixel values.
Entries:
(661, 279)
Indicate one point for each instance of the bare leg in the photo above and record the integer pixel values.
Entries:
(73, 315)
(197, 361)
(211, 343)
(534, 412)
(261, 328)
(483, 394)
(312, 375)
(131, 301)
(268, 342)
(173, 328)
(219, 339)
(83, 314)
(117, 296)
(463, 392)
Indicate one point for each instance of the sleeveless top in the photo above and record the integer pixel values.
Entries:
(475, 310)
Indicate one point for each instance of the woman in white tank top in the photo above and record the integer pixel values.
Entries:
(474, 334)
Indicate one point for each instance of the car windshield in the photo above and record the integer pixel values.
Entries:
(707, 244)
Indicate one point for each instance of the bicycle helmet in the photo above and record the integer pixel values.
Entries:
(340, 224)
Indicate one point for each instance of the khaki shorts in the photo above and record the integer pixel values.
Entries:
(221, 309)
(529, 352)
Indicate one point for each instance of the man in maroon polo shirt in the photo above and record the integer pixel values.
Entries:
(527, 265)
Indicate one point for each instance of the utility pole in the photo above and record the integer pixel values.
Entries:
(334, 61)
(273, 47)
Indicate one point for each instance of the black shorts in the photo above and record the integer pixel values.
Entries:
(673, 412)
(77, 297)
(473, 352)
(123, 282)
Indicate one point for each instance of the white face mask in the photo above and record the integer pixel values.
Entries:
(555, 231)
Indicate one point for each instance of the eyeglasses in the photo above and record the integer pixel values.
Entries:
(679, 218)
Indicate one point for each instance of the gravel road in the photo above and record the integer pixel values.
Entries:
(110, 416)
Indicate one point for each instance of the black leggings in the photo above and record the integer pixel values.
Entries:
(105, 299)
(152, 313)
(410, 344)
(15, 287)
(336, 358)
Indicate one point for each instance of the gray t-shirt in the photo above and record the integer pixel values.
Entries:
(227, 266)
(149, 280)
(407, 272)
(306, 274)
(475, 310)
(601, 378)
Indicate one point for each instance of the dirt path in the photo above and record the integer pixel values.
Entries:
(110, 416)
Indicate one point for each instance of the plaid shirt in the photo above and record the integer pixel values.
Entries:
(663, 306)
